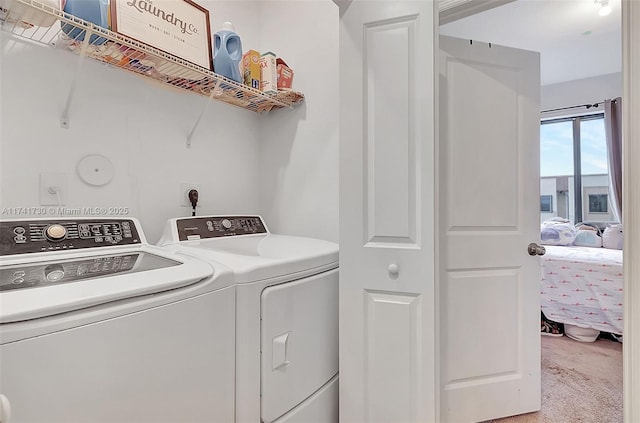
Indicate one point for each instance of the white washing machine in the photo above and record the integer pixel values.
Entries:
(286, 315)
(98, 326)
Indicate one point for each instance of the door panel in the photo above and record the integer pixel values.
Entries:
(390, 168)
(392, 332)
(485, 293)
(489, 285)
(468, 175)
(387, 284)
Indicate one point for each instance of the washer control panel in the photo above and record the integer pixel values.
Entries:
(218, 226)
(35, 236)
(48, 273)
(51, 273)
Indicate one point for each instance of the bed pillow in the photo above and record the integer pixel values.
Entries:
(587, 238)
(590, 227)
(557, 231)
(612, 237)
(554, 220)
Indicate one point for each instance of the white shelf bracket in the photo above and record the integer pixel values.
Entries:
(64, 120)
(214, 91)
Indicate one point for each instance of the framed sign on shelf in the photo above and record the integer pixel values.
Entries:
(177, 27)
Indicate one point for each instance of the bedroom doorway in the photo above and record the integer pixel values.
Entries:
(582, 283)
(493, 21)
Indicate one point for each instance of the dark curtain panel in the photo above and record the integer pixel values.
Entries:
(613, 131)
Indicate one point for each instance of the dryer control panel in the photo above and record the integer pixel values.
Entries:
(219, 226)
(35, 236)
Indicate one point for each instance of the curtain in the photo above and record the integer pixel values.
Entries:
(613, 132)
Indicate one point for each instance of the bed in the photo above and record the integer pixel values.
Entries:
(583, 286)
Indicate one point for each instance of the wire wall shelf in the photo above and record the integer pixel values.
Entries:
(44, 24)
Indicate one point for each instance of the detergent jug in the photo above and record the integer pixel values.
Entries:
(94, 11)
(227, 53)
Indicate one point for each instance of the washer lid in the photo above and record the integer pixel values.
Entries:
(258, 257)
(37, 289)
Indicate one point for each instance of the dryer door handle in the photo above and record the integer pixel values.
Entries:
(279, 352)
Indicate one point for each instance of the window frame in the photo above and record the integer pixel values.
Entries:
(577, 160)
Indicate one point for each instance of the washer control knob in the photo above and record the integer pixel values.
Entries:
(55, 232)
(54, 272)
(226, 223)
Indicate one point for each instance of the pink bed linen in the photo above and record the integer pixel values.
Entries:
(583, 286)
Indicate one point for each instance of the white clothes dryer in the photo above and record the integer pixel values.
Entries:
(98, 326)
(286, 315)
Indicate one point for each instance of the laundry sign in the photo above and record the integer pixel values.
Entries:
(177, 27)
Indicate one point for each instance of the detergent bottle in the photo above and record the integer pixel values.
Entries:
(94, 11)
(227, 52)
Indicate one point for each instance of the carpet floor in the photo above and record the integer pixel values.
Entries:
(581, 383)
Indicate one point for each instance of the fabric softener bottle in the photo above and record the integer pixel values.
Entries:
(227, 53)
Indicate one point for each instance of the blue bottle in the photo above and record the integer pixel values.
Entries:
(227, 53)
(94, 11)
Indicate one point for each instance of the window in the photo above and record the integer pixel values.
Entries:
(574, 168)
(556, 148)
(598, 203)
(546, 203)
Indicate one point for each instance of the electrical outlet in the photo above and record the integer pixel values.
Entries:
(53, 189)
(185, 187)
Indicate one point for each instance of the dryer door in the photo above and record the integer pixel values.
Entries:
(299, 338)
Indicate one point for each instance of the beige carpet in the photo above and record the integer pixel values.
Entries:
(581, 382)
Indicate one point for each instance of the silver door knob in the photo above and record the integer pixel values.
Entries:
(536, 250)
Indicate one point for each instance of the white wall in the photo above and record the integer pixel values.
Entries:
(298, 171)
(299, 148)
(140, 126)
(244, 15)
(283, 164)
(578, 92)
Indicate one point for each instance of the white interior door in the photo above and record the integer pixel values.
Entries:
(489, 307)
(387, 103)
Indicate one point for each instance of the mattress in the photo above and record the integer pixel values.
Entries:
(583, 286)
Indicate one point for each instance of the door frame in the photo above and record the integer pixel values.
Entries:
(631, 202)
(631, 199)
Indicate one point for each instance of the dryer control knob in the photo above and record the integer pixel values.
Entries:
(55, 232)
(226, 223)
